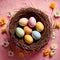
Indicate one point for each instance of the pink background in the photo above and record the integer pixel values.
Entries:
(13, 5)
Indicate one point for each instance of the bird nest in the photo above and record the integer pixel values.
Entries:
(40, 16)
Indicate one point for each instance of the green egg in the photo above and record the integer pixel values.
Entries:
(20, 32)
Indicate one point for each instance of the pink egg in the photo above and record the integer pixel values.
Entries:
(32, 22)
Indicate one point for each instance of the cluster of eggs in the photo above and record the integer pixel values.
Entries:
(27, 31)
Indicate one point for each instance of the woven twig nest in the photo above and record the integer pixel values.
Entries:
(40, 16)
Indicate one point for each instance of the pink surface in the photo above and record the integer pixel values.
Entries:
(13, 5)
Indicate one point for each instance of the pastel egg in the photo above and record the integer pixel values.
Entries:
(20, 32)
(23, 21)
(36, 35)
(27, 30)
(39, 26)
(28, 39)
(32, 22)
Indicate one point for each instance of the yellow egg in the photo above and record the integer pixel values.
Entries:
(27, 30)
(28, 39)
(39, 26)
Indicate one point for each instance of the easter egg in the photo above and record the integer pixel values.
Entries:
(28, 39)
(39, 26)
(19, 32)
(27, 30)
(36, 35)
(32, 22)
(23, 21)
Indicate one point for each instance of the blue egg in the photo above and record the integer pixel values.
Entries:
(36, 35)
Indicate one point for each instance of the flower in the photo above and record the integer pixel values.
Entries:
(5, 44)
(10, 53)
(3, 30)
(46, 52)
(2, 22)
(52, 52)
(21, 54)
(10, 14)
(54, 46)
(52, 5)
(57, 13)
(57, 24)
(53, 35)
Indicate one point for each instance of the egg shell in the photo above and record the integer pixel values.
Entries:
(20, 32)
(36, 35)
(39, 26)
(27, 30)
(23, 21)
(28, 39)
(32, 22)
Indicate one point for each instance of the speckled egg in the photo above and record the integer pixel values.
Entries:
(36, 35)
(23, 21)
(28, 39)
(27, 30)
(32, 22)
(20, 32)
(39, 26)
